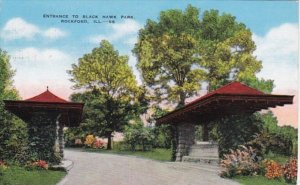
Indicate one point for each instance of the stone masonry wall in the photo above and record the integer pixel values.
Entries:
(186, 138)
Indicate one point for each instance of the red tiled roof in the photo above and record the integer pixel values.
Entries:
(47, 96)
(232, 98)
(236, 88)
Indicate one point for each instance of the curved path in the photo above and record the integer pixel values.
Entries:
(111, 169)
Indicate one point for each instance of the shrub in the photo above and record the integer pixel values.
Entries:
(267, 142)
(137, 134)
(290, 170)
(98, 144)
(162, 135)
(273, 170)
(241, 161)
(237, 130)
(89, 140)
(40, 164)
(73, 135)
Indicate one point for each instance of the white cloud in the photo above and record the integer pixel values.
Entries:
(124, 31)
(278, 50)
(18, 28)
(54, 33)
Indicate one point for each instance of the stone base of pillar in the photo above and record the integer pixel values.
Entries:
(186, 137)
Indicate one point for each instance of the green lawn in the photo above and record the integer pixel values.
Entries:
(19, 176)
(159, 154)
(278, 158)
(257, 180)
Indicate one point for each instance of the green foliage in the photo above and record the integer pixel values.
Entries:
(183, 48)
(166, 52)
(41, 137)
(113, 95)
(137, 134)
(73, 133)
(276, 139)
(237, 130)
(103, 115)
(226, 49)
(240, 129)
(267, 142)
(105, 70)
(13, 132)
(162, 135)
(263, 85)
(290, 133)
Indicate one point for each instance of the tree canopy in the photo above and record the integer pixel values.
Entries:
(112, 95)
(183, 49)
(13, 133)
(107, 71)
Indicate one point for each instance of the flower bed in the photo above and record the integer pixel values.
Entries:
(244, 162)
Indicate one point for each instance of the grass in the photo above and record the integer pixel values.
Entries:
(159, 154)
(278, 158)
(14, 175)
(259, 180)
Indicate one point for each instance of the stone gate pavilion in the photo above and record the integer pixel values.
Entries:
(232, 99)
(47, 111)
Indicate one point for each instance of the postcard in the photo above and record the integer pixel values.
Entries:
(130, 92)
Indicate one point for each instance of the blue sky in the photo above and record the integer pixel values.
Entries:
(42, 49)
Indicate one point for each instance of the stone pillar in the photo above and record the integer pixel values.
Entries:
(42, 135)
(61, 140)
(186, 138)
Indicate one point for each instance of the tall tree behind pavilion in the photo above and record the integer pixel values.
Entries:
(181, 50)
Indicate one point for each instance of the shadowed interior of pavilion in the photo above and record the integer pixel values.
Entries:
(48, 114)
(232, 99)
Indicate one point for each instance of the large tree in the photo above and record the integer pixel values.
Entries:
(13, 133)
(226, 50)
(107, 75)
(183, 49)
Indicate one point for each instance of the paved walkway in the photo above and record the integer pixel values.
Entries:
(110, 169)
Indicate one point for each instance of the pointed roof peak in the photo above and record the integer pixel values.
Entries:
(237, 88)
(47, 96)
(232, 88)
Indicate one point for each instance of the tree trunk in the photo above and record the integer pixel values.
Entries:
(109, 142)
(181, 100)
